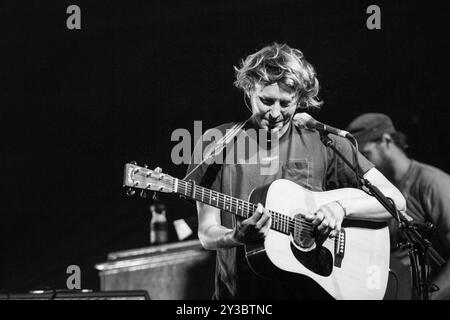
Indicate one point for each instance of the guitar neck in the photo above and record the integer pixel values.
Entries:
(241, 208)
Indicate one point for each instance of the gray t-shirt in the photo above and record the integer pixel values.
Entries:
(302, 158)
(427, 193)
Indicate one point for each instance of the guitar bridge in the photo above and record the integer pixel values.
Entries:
(339, 248)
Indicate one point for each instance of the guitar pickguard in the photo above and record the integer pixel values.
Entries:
(318, 260)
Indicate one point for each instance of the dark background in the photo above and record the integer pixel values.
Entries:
(76, 105)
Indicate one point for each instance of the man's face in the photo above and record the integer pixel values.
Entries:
(376, 153)
(272, 107)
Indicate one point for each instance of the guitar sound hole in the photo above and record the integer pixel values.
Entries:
(319, 260)
(302, 233)
(316, 258)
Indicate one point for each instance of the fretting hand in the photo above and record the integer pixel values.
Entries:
(253, 228)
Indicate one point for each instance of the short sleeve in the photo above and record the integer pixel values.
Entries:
(339, 174)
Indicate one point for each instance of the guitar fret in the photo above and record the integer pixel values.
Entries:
(274, 220)
(286, 225)
(278, 223)
(230, 204)
(246, 205)
(225, 207)
(213, 197)
(242, 209)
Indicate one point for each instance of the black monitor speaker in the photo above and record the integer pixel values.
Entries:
(77, 295)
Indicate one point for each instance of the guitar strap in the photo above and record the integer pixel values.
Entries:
(217, 148)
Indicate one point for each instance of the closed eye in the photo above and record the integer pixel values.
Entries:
(266, 101)
(285, 104)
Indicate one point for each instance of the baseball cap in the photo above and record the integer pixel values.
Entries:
(370, 126)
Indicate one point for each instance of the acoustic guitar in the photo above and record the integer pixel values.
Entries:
(353, 265)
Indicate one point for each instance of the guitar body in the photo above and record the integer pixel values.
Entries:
(354, 265)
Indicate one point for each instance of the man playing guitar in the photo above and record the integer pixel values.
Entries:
(278, 81)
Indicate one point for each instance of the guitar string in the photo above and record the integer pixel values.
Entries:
(249, 207)
(285, 220)
(221, 201)
(307, 229)
(279, 220)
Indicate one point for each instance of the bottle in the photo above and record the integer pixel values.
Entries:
(158, 224)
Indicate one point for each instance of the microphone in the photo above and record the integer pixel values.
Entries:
(304, 120)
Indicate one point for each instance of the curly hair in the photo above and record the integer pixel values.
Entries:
(279, 63)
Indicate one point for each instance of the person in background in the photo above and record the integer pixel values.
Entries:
(425, 188)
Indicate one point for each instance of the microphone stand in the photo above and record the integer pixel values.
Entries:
(419, 249)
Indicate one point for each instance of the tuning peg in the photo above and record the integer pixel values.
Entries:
(134, 163)
(143, 194)
(155, 196)
(145, 166)
(158, 170)
(130, 192)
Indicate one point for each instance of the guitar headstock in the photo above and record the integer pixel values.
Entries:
(143, 178)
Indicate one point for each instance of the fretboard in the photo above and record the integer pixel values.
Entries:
(244, 209)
